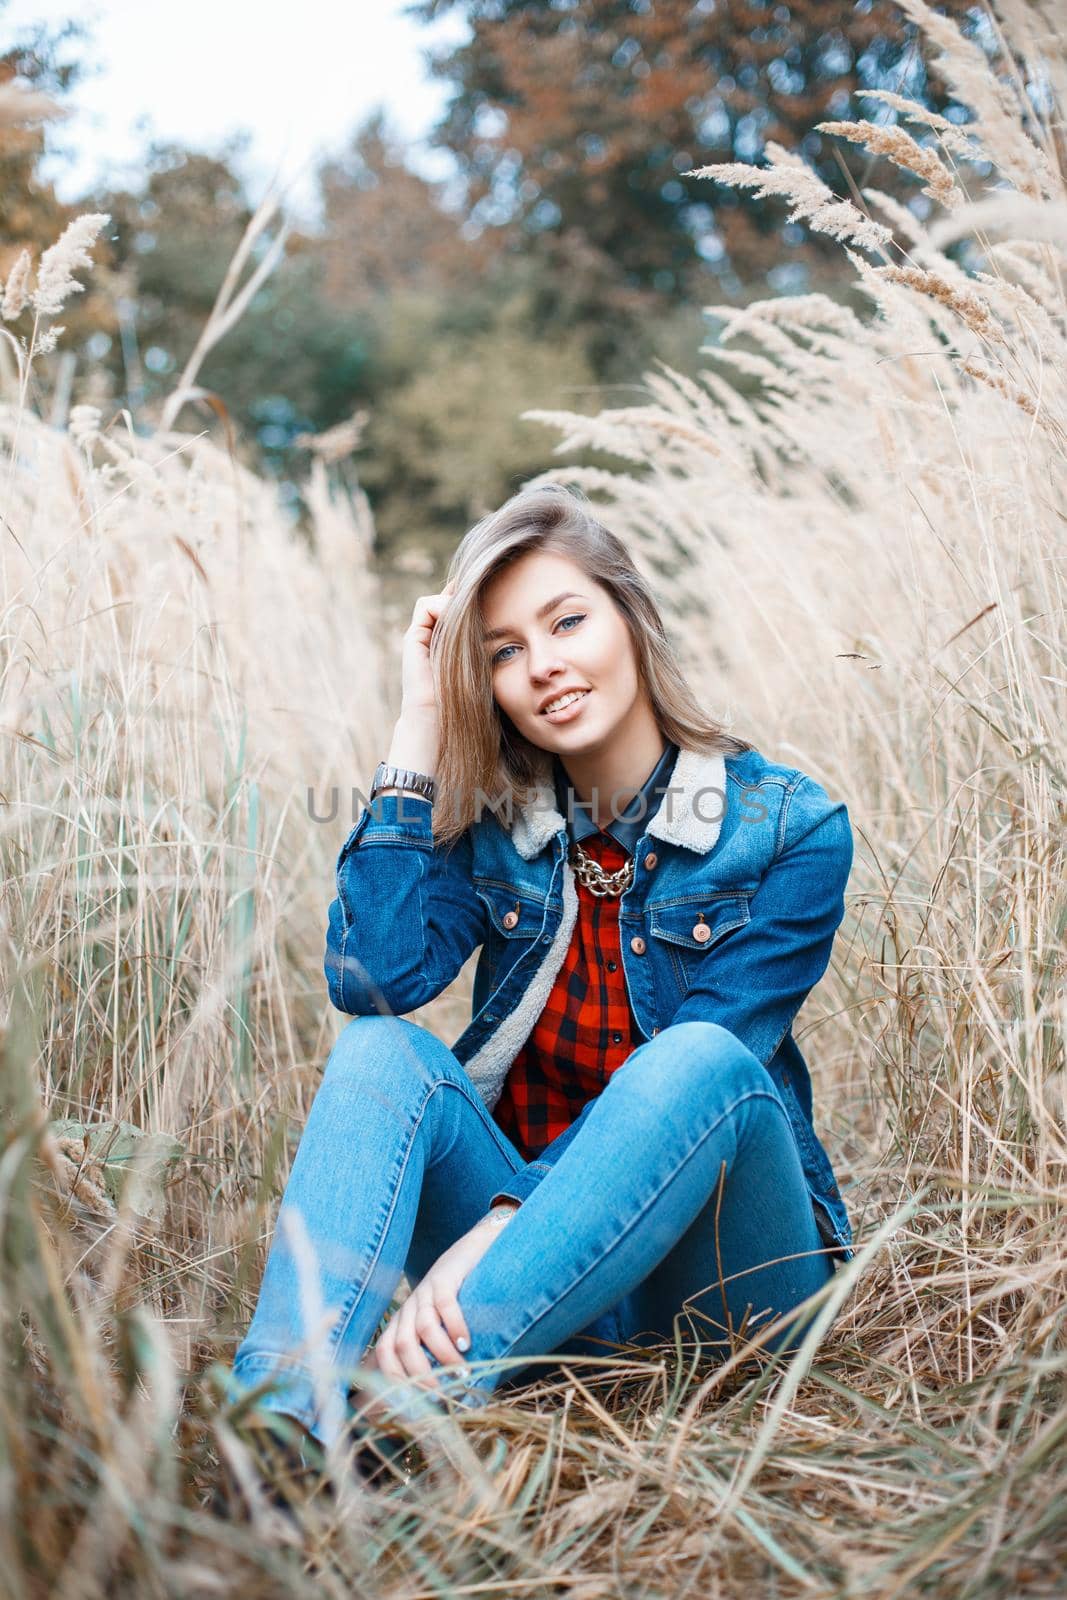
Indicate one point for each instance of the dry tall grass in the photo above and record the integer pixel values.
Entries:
(865, 566)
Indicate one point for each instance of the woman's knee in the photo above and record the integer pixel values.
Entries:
(697, 1053)
(705, 1038)
(378, 1044)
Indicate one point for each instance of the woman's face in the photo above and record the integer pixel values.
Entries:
(557, 630)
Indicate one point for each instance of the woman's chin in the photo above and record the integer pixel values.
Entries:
(578, 744)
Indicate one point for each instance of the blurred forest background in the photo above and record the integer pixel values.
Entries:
(581, 251)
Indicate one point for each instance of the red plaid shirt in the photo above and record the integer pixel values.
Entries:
(586, 1029)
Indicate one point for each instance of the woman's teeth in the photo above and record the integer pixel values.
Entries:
(565, 706)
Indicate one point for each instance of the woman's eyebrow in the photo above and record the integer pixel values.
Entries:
(542, 611)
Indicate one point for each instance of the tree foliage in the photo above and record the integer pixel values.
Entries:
(36, 73)
(294, 362)
(575, 122)
(571, 253)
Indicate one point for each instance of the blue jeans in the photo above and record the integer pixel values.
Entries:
(684, 1185)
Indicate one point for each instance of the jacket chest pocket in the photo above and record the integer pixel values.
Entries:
(515, 919)
(686, 931)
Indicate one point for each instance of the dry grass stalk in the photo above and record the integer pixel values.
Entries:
(903, 151)
(956, 140)
(789, 177)
(231, 302)
(965, 303)
(995, 99)
(22, 107)
(16, 289)
(55, 275)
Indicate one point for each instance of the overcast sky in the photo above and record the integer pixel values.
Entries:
(299, 78)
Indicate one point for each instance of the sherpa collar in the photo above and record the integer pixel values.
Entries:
(690, 815)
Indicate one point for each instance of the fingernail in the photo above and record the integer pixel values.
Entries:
(463, 1343)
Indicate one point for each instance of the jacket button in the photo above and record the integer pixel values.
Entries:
(510, 918)
(651, 859)
(701, 933)
(637, 945)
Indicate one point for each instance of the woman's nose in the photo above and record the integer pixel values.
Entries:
(545, 665)
(542, 672)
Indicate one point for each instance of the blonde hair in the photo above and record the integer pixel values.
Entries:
(481, 751)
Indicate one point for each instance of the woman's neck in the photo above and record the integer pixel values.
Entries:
(616, 774)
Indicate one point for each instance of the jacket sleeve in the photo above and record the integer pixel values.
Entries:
(763, 974)
(406, 917)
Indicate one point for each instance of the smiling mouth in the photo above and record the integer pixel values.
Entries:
(571, 700)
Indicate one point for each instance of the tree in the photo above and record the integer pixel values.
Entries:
(35, 75)
(386, 229)
(446, 441)
(293, 363)
(460, 345)
(466, 336)
(574, 122)
(37, 72)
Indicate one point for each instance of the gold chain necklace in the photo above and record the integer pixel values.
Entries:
(596, 880)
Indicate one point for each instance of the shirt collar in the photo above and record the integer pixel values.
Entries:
(627, 827)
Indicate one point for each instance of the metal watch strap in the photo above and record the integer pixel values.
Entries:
(500, 1214)
(387, 777)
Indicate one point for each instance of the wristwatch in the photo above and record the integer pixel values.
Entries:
(500, 1214)
(387, 777)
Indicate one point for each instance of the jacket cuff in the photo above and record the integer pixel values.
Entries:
(392, 818)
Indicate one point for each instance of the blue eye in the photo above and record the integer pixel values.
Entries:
(575, 616)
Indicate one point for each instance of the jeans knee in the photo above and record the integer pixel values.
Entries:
(376, 1044)
(702, 1037)
(704, 1051)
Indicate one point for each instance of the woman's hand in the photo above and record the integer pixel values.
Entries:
(430, 1318)
(416, 737)
(418, 696)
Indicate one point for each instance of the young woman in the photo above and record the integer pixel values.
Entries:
(622, 1134)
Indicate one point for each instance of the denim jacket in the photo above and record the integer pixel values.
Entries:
(756, 852)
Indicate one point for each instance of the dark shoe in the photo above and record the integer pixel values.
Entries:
(286, 1461)
(380, 1458)
(291, 1464)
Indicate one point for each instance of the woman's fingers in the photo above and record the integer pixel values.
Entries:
(414, 1362)
(417, 1332)
(455, 1326)
(433, 604)
(420, 1331)
(393, 1362)
(388, 1360)
(433, 1329)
